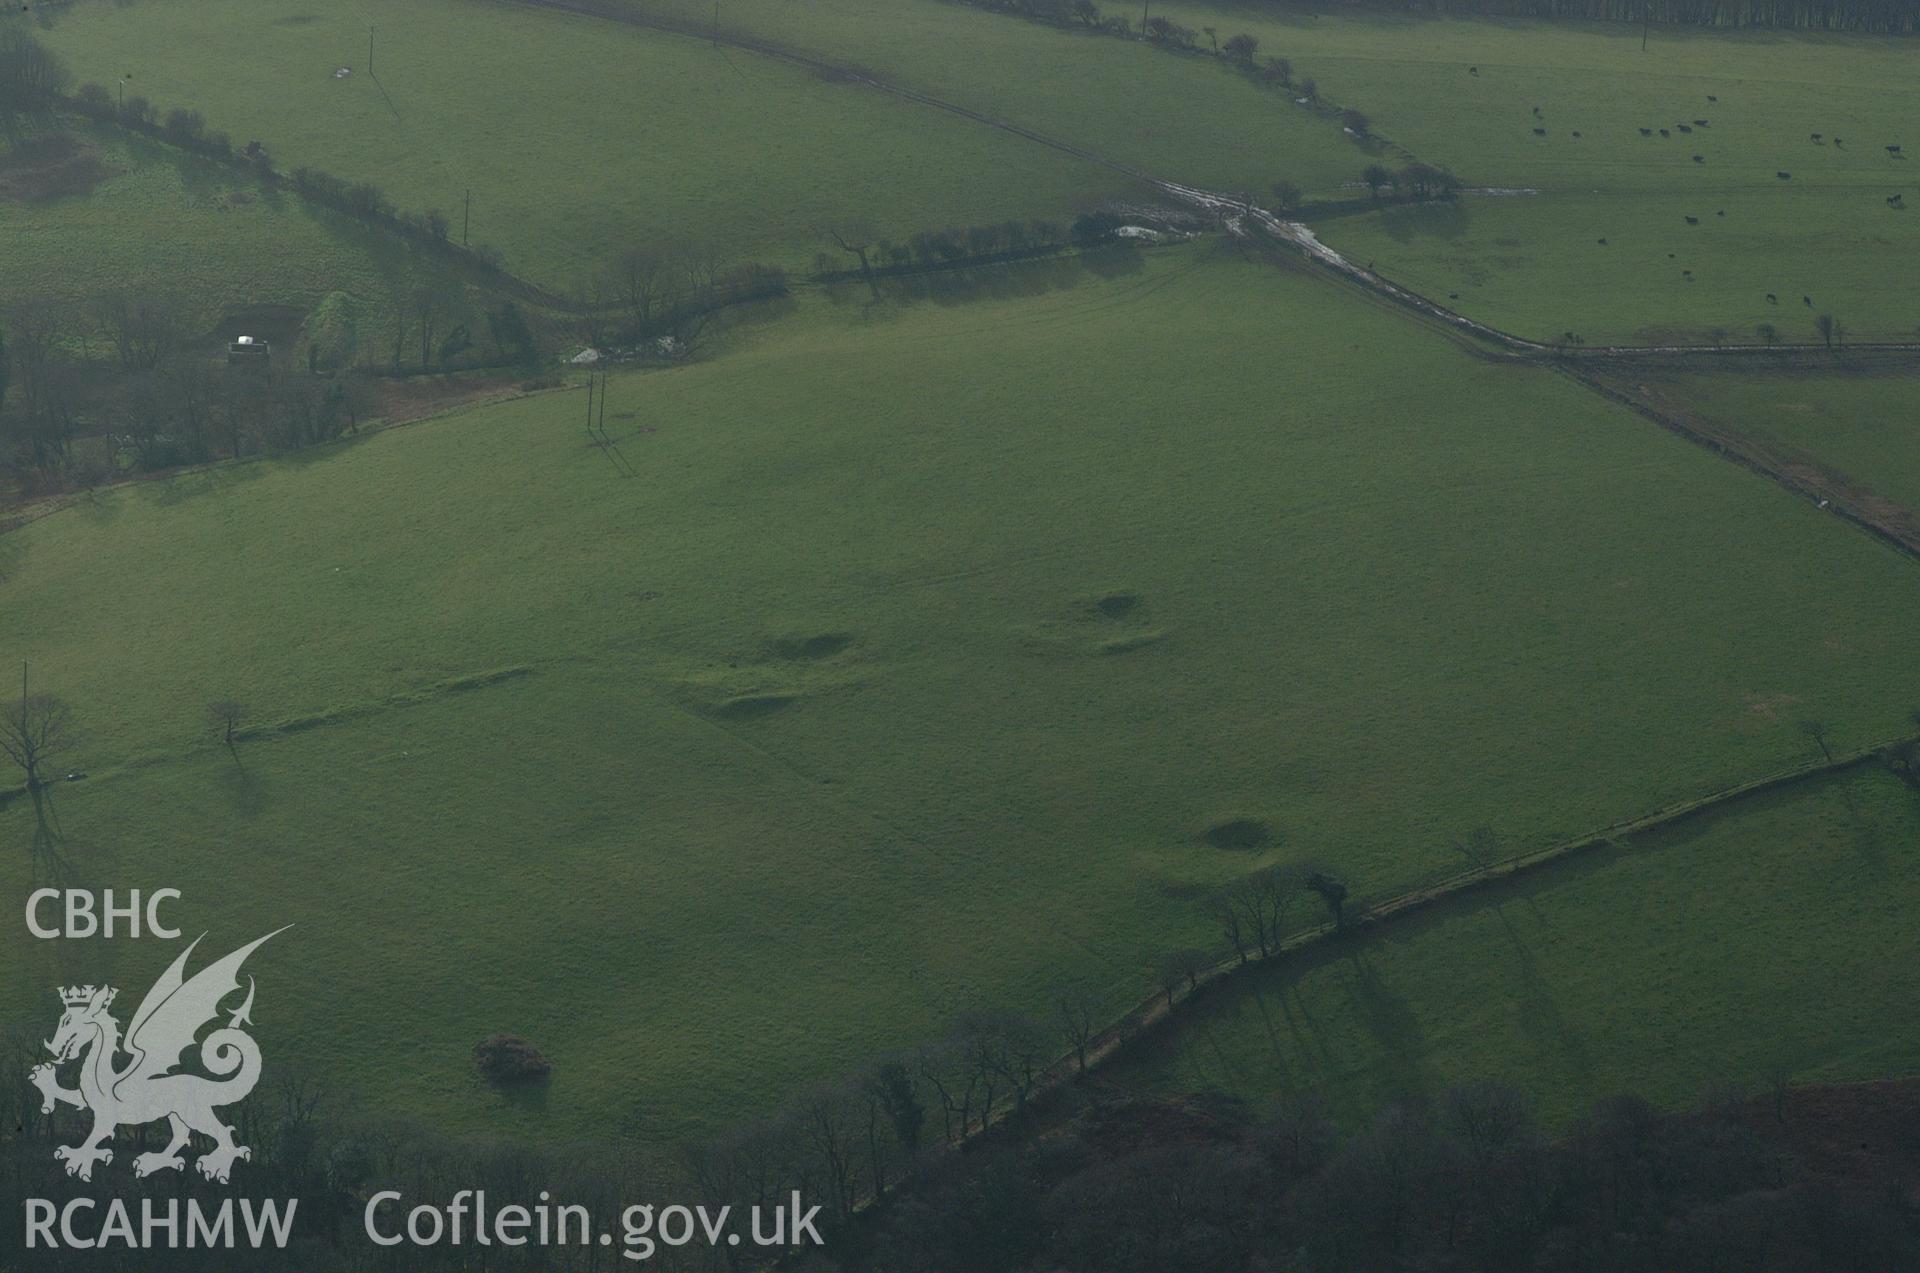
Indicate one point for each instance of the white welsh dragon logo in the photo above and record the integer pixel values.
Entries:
(146, 1088)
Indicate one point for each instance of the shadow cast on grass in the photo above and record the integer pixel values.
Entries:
(1406, 222)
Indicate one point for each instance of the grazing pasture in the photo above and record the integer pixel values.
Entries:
(635, 138)
(913, 656)
(93, 212)
(1769, 941)
(1820, 109)
(1627, 268)
(1860, 421)
(621, 139)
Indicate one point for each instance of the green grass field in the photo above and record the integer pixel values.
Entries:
(1534, 264)
(160, 223)
(905, 674)
(1775, 936)
(648, 139)
(1863, 424)
(641, 139)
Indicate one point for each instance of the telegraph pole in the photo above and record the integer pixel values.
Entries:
(466, 215)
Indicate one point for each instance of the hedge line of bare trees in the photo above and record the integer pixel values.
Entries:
(362, 200)
(1888, 17)
(860, 252)
(1240, 50)
(1884, 16)
(1416, 181)
(668, 295)
(1086, 15)
(704, 282)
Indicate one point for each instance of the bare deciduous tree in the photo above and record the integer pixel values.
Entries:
(1078, 1023)
(1332, 891)
(225, 715)
(1480, 847)
(35, 728)
(1287, 196)
(1817, 731)
(1252, 910)
(891, 1082)
(1182, 967)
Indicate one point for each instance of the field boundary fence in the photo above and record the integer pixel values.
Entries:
(1159, 1010)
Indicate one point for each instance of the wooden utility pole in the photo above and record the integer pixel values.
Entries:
(603, 404)
(1144, 6)
(466, 216)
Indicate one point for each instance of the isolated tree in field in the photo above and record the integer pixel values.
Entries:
(1287, 197)
(1241, 49)
(1333, 892)
(1817, 731)
(36, 727)
(225, 715)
